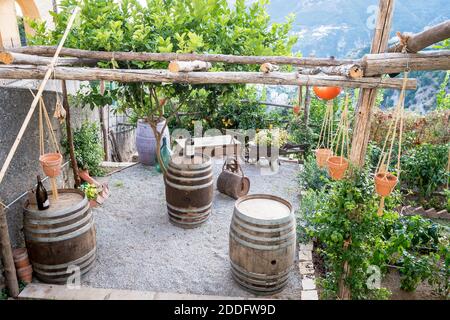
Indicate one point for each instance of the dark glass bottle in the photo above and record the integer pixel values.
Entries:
(41, 195)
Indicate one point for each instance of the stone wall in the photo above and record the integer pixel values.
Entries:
(21, 175)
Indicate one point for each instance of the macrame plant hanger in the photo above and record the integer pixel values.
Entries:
(385, 181)
(52, 162)
(338, 164)
(324, 148)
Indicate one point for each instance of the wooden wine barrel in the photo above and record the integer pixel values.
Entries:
(189, 190)
(61, 237)
(262, 243)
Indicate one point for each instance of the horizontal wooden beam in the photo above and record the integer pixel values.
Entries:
(8, 57)
(165, 76)
(385, 63)
(415, 42)
(166, 57)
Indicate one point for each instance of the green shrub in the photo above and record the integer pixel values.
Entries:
(311, 176)
(88, 148)
(425, 167)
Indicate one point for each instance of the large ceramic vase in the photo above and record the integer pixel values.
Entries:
(146, 141)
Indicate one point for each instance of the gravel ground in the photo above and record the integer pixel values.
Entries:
(139, 249)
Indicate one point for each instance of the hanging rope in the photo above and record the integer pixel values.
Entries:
(341, 139)
(385, 158)
(43, 114)
(326, 131)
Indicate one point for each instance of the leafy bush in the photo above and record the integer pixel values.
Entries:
(425, 167)
(88, 148)
(311, 176)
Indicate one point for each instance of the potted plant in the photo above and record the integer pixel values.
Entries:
(271, 140)
(91, 193)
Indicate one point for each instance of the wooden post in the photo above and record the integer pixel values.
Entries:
(367, 96)
(366, 102)
(307, 104)
(7, 257)
(101, 111)
(70, 135)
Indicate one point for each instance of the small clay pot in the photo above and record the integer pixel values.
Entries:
(84, 175)
(25, 274)
(322, 156)
(337, 167)
(385, 182)
(20, 256)
(93, 203)
(51, 163)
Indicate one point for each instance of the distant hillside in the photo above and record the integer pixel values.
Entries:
(344, 28)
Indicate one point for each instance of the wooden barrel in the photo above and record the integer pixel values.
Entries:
(189, 190)
(262, 243)
(60, 238)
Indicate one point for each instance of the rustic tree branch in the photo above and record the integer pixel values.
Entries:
(377, 64)
(8, 57)
(189, 66)
(7, 257)
(164, 76)
(413, 43)
(166, 57)
(73, 160)
(352, 71)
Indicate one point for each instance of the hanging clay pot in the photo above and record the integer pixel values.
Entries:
(51, 163)
(327, 93)
(322, 156)
(25, 274)
(20, 256)
(337, 167)
(385, 182)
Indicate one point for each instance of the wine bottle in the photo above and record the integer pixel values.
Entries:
(189, 148)
(41, 195)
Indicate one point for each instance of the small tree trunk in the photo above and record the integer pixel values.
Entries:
(7, 257)
(307, 104)
(73, 161)
(104, 133)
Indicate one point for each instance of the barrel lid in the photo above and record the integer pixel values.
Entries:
(68, 200)
(262, 207)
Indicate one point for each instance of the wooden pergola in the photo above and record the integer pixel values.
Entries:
(367, 73)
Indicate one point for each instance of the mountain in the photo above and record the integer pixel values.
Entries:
(344, 29)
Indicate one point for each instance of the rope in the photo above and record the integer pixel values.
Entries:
(43, 111)
(383, 164)
(326, 131)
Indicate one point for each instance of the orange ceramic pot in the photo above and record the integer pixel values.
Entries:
(20, 256)
(25, 274)
(327, 93)
(337, 167)
(385, 182)
(51, 163)
(322, 156)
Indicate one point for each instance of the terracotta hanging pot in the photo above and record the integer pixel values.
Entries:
(51, 164)
(322, 156)
(25, 274)
(327, 93)
(385, 182)
(337, 167)
(20, 256)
